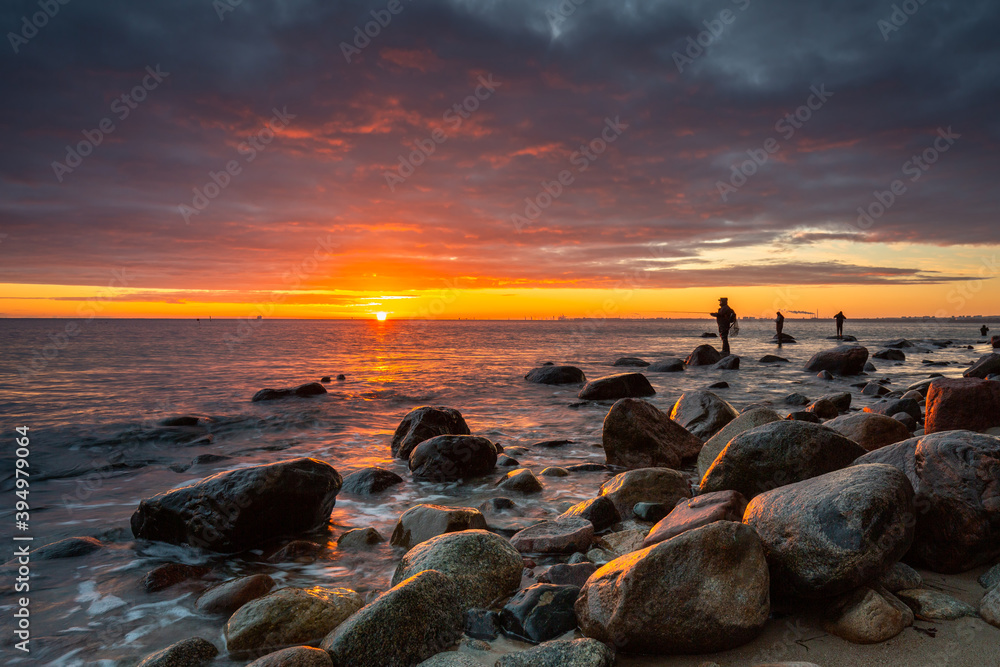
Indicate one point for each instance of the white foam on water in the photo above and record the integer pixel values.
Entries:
(99, 604)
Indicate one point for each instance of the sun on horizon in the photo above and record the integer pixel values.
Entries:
(381, 315)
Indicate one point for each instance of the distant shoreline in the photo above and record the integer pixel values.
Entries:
(986, 319)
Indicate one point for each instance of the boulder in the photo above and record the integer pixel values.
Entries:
(561, 653)
(504, 461)
(875, 389)
(422, 522)
(703, 355)
(521, 480)
(540, 612)
(671, 365)
(891, 406)
(954, 475)
(772, 359)
(988, 579)
(900, 576)
(412, 621)
(727, 363)
(599, 511)
(451, 457)
(288, 617)
(164, 576)
(652, 512)
(843, 360)
(702, 413)
(825, 375)
(783, 338)
(899, 343)
(621, 543)
(554, 471)
(193, 652)
(703, 591)
(452, 659)
(841, 400)
(69, 547)
(563, 536)
(631, 361)
(359, 539)
(369, 481)
(555, 375)
(613, 387)
(231, 595)
(890, 355)
(823, 409)
(298, 551)
(989, 607)
(295, 656)
(930, 605)
(696, 512)
(804, 416)
(828, 535)
(776, 454)
(242, 509)
(986, 366)
(572, 574)
(649, 485)
(424, 423)
(796, 399)
(970, 404)
(482, 566)
(871, 431)
(637, 435)
(866, 616)
(302, 391)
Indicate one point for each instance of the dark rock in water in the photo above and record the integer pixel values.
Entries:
(954, 477)
(650, 511)
(899, 577)
(554, 471)
(521, 480)
(451, 457)
(295, 656)
(414, 620)
(971, 404)
(987, 365)
(866, 616)
(719, 385)
(744, 422)
(804, 416)
(870, 367)
(671, 365)
(823, 409)
(841, 400)
(869, 430)
(482, 566)
(930, 605)
(776, 454)
(424, 423)
(728, 363)
(548, 444)
(702, 413)
(843, 360)
(504, 461)
(995, 341)
(204, 459)
(368, 481)
(599, 511)
(288, 617)
(231, 595)
(796, 399)
(899, 343)
(613, 387)
(631, 361)
(703, 355)
(572, 574)
(298, 551)
(825, 375)
(874, 389)
(890, 355)
(562, 536)
(422, 522)
(785, 338)
(193, 652)
(830, 534)
(540, 612)
(180, 420)
(889, 407)
(561, 653)
(70, 547)
(586, 467)
(244, 508)
(650, 485)
(170, 574)
(908, 422)
(325, 379)
(709, 334)
(772, 359)
(359, 539)
(697, 512)
(341, 377)
(637, 435)
(656, 601)
(494, 505)
(847, 338)
(302, 391)
(555, 375)
(482, 624)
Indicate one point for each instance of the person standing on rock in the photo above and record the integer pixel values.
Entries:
(725, 317)
(779, 323)
(840, 323)
(984, 331)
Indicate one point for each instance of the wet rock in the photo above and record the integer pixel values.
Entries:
(889, 407)
(554, 471)
(494, 505)
(870, 367)
(231, 595)
(599, 511)
(719, 385)
(244, 508)
(772, 359)
(804, 416)
(703, 355)
(727, 363)
(864, 616)
(928, 605)
(422, 522)
(549, 444)
(702, 413)
(424, 423)
(989, 607)
(652, 512)
(540, 612)
(302, 391)
(575, 574)
(830, 534)
(709, 334)
(783, 338)
(586, 467)
(776, 454)
(843, 360)
(504, 461)
(796, 399)
(70, 547)
(451, 457)
(631, 361)
(521, 480)
(671, 365)
(482, 566)
(359, 539)
(875, 389)
(703, 591)
(890, 355)
(613, 387)
(906, 420)
(414, 620)
(954, 475)
(556, 375)
(900, 576)
(325, 379)
(623, 542)
(561, 653)
(970, 404)
(650, 485)
(295, 656)
(915, 395)
(193, 652)
(637, 435)
(697, 512)
(564, 535)
(871, 431)
(341, 377)
(823, 409)
(482, 624)
(369, 481)
(299, 551)
(847, 338)
(170, 574)
(288, 617)
(841, 400)
(986, 366)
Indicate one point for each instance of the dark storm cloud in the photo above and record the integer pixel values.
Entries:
(559, 81)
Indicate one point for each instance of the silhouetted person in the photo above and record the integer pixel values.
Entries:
(840, 323)
(779, 323)
(984, 331)
(725, 318)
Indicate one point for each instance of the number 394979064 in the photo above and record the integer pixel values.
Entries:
(21, 478)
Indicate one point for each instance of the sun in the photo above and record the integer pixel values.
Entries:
(381, 315)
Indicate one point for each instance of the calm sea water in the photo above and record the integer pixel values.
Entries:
(93, 401)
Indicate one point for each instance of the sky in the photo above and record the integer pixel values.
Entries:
(499, 158)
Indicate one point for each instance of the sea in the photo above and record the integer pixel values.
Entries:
(93, 394)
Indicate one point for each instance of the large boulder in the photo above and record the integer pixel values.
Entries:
(696, 512)
(779, 453)
(302, 391)
(645, 485)
(415, 619)
(703, 355)
(986, 366)
(482, 566)
(613, 387)
(830, 534)
(561, 653)
(744, 422)
(424, 423)
(422, 522)
(843, 360)
(869, 430)
(540, 612)
(369, 481)
(450, 457)
(702, 413)
(242, 509)
(893, 406)
(867, 616)
(555, 375)
(669, 365)
(637, 435)
(954, 476)
(970, 404)
(565, 535)
(703, 591)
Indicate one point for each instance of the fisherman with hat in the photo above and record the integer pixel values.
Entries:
(726, 319)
